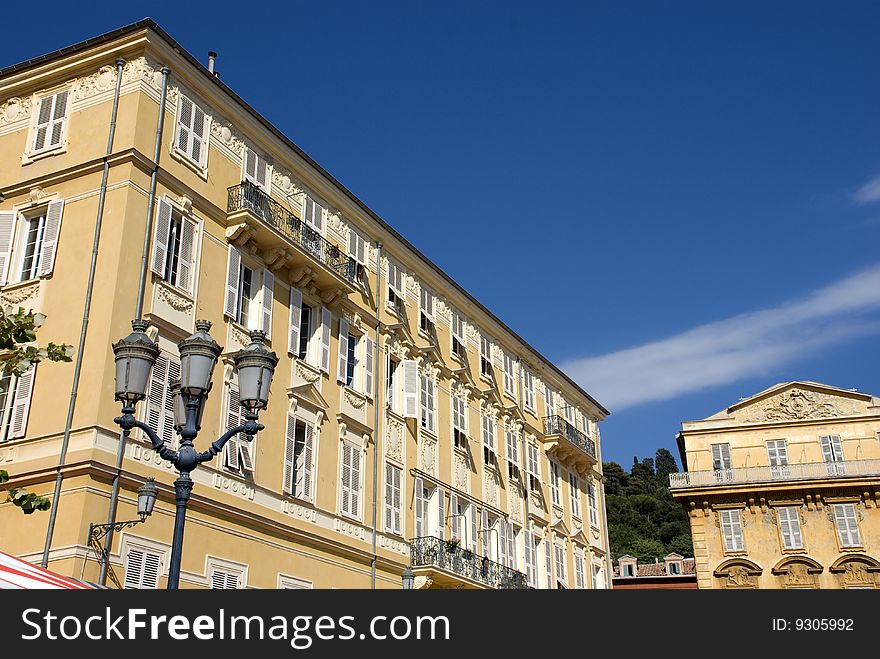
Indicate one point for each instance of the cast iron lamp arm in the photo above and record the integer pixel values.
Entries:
(127, 421)
(250, 427)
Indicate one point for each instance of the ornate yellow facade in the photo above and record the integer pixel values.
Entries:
(782, 490)
(403, 415)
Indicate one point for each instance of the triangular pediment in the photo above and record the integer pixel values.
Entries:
(797, 401)
(560, 527)
(579, 537)
(308, 393)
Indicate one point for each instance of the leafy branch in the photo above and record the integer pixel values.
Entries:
(27, 501)
(17, 330)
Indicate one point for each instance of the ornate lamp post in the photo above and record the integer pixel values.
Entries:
(408, 578)
(135, 356)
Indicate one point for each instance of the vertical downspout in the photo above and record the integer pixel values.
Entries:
(600, 504)
(65, 442)
(376, 369)
(523, 476)
(120, 450)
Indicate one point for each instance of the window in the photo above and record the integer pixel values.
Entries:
(731, 530)
(250, 294)
(512, 441)
(392, 499)
(28, 242)
(777, 453)
(575, 491)
(226, 579)
(426, 311)
(351, 480)
(832, 452)
(847, 525)
(51, 123)
(390, 383)
(395, 287)
(507, 543)
(594, 508)
(357, 250)
(559, 550)
(174, 247)
(533, 468)
(459, 421)
(550, 401)
(142, 568)
(488, 423)
(428, 402)
(674, 568)
(628, 569)
(313, 226)
(348, 357)
(530, 547)
(569, 412)
(302, 328)
(191, 132)
(485, 357)
(554, 483)
(790, 527)
(721, 462)
(15, 402)
(299, 451)
(579, 570)
(238, 450)
(529, 389)
(159, 408)
(256, 170)
(509, 376)
(421, 508)
(458, 341)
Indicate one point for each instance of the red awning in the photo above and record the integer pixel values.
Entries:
(16, 573)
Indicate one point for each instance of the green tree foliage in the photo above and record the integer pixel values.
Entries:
(643, 519)
(18, 332)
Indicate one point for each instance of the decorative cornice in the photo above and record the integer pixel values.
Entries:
(226, 133)
(796, 405)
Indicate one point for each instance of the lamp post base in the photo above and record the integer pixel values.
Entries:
(182, 489)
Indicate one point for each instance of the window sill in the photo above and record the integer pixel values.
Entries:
(28, 157)
(509, 395)
(457, 357)
(855, 548)
(425, 431)
(487, 379)
(198, 168)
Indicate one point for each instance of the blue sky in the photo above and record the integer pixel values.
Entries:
(684, 197)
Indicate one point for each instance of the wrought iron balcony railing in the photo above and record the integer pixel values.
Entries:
(556, 425)
(248, 196)
(435, 552)
(767, 474)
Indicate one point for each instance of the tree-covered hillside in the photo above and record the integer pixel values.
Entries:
(643, 520)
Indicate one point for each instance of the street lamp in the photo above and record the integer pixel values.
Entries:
(409, 578)
(135, 356)
(146, 500)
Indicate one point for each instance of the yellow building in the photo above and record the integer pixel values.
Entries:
(402, 414)
(782, 490)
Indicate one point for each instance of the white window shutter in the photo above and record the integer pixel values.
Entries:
(22, 403)
(198, 134)
(455, 523)
(485, 535)
(325, 339)
(184, 123)
(185, 266)
(441, 510)
(233, 419)
(307, 462)
(389, 496)
(7, 227)
(167, 433)
(343, 350)
(289, 453)
(396, 503)
(244, 448)
(154, 414)
(44, 118)
(268, 300)
(369, 349)
(418, 509)
(50, 237)
(355, 481)
(160, 237)
(134, 568)
(233, 271)
(296, 297)
(474, 531)
(410, 388)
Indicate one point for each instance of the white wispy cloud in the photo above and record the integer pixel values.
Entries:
(729, 350)
(868, 193)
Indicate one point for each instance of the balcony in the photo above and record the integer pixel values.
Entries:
(811, 471)
(448, 566)
(570, 444)
(286, 241)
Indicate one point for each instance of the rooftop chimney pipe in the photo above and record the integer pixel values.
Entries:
(211, 57)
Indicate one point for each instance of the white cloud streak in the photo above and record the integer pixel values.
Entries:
(729, 350)
(868, 193)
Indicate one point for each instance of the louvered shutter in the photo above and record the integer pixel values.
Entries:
(50, 237)
(168, 432)
(410, 388)
(160, 237)
(218, 580)
(721, 456)
(250, 165)
(58, 115)
(346, 480)
(325, 339)
(357, 247)
(156, 394)
(529, 555)
(198, 134)
(22, 403)
(578, 570)
(355, 481)
(44, 119)
(419, 509)
(247, 461)
(485, 534)
(511, 544)
(343, 351)
(289, 456)
(472, 510)
(504, 542)
(397, 502)
(50, 122)
(184, 124)
(233, 272)
(233, 417)
(548, 564)
(307, 463)
(369, 350)
(185, 265)
(511, 447)
(454, 520)
(389, 497)
(441, 510)
(268, 299)
(7, 227)
(295, 320)
(152, 566)
(134, 568)
(256, 169)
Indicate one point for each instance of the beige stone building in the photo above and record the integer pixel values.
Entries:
(782, 490)
(403, 414)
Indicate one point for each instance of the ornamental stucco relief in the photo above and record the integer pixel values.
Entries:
(798, 404)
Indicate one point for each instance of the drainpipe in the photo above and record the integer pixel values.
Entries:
(377, 371)
(523, 476)
(65, 442)
(120, 450)
(609, 582)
